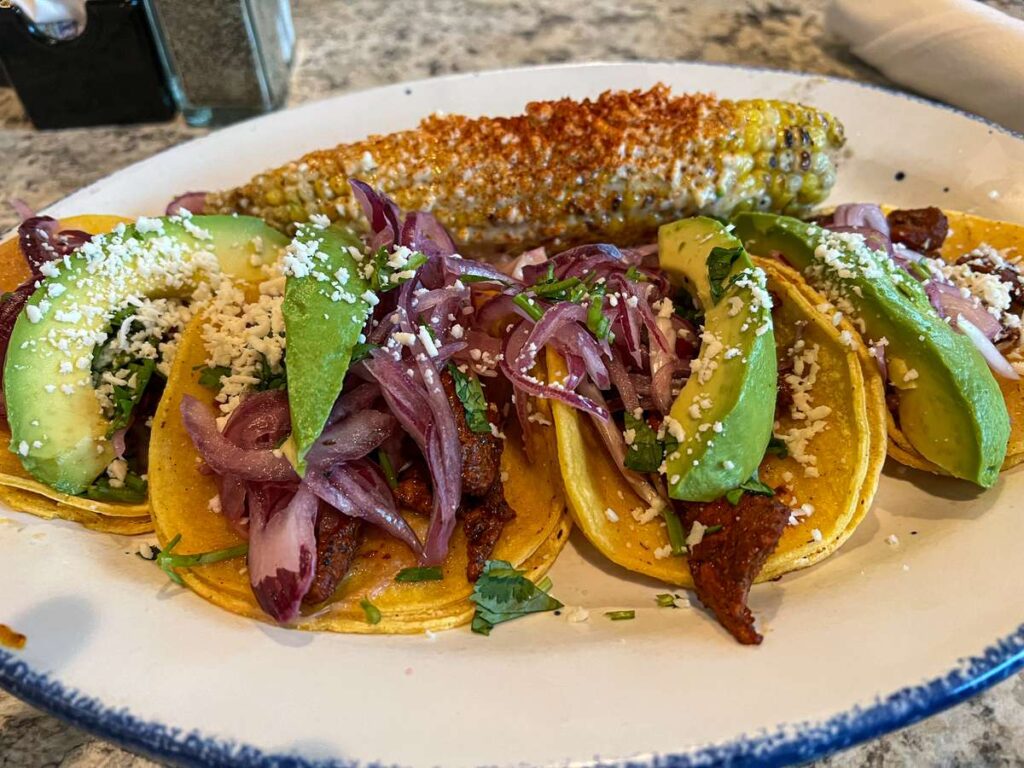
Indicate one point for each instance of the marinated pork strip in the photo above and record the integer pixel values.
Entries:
(724, 564)
(481, 452)
(483, 522)
(413, 491)
(337, 538)
(921, 229)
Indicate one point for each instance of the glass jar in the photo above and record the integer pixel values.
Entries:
(226, 60)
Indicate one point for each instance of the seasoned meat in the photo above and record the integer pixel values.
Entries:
(481, 453)
(337, 539)
(725, 563)
(1008, 272)
(921, 229)
(413, 491)
(483, 520)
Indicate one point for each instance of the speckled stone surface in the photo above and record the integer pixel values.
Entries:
(361, 43)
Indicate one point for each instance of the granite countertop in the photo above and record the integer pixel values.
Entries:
(361, 43)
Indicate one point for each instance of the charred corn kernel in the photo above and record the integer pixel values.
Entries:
(568, 171)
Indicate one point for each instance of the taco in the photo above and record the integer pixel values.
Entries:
(88, 327)
(763, 454)
(340, 451)
(937, 298)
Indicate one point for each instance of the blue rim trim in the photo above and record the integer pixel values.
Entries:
(783, 746)
(786, 745)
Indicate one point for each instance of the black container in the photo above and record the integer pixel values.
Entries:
(110, 73)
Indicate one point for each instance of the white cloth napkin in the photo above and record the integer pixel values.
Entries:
(959, 51)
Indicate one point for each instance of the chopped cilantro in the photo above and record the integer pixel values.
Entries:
(666, 600)
(634, 274)
(674, 528)
(125, 397)
(529, 306)
(753, 485)
(387, 468)
(471, 395)
(620, 615)
(686, 308)
(132, 491)
(720, 262)
(560, 290)
(712, 529)
(385, 277)
(268, 378)
(168, 561)
(545, 584)
(361, 351)
(503, 593)
(424, 573)
(210, 377)
(645, 452)
(920, 270)
(597, 320)
(372, 611)
(777, 447)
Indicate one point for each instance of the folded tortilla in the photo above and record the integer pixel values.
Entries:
(180, 498)
(850, 453)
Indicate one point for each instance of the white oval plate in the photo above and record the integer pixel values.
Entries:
(873, 638)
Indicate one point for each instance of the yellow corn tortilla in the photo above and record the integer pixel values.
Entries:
(967, 232)
(850, 454)
(180, 497)
(33, 496)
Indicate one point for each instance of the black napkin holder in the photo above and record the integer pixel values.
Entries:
(110, 73)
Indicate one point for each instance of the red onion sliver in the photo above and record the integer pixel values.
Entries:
(282, 553)
(999, 364)
(223, 456)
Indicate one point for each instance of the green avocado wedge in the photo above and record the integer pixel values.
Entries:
(950, 406)
(726, 409)
(57, 425)
(324, 310)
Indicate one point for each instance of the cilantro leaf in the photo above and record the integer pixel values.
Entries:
(125, 397)
(423, 573)
(132, 491)
(471, 395)
(210, 377)
(777, 447)
(372, 611)
(720, 262)
(645, 453)
(753, 485)
(385, 277)
(268, 378)
(361, 351)
(503, 593)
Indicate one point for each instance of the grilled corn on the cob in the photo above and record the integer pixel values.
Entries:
(568, 171)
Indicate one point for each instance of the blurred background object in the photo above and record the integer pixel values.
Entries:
(226, 59)
(960, 51)
(75, 66)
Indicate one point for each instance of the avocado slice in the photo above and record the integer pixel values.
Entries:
(950, 406)
(57, 426)
(325, 309)
(726, 409)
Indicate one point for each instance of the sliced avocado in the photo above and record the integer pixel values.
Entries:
(950, 406)
(325, 309)
(57, 425)
(726, 409)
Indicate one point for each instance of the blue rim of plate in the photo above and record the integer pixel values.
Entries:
(787, 744)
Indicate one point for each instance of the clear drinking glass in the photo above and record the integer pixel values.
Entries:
(226, 59)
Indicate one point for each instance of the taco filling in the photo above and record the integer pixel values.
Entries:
(88, 340)
(360, 396)
(940, 310)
